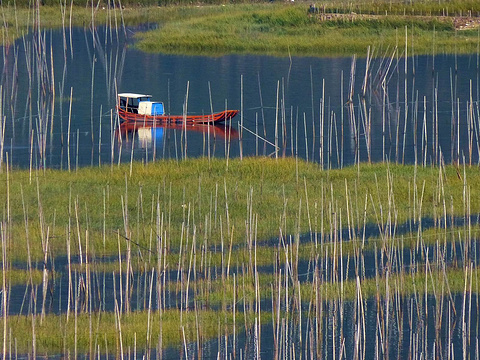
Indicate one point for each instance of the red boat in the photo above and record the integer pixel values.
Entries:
(140, 109)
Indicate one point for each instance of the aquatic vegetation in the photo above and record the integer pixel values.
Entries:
(276, 29)
(281, 30)
(23, 277)
(209, 201)
(100, 333)
(419, 8)
(231, 245)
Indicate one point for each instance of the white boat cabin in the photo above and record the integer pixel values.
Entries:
(129, 102)
(140, 104)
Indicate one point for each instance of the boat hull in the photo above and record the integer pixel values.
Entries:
(153, 120)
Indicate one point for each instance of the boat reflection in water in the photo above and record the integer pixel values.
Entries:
(150, 136)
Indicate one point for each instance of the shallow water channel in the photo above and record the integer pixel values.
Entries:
(335, 111)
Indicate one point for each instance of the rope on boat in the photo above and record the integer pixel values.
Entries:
(258, 136)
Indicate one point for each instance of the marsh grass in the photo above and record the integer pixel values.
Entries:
(210, 196)
(275, 29)
(18, 19)
(281, 30)
(23, 277)
(56, 334)
(187, 236)
(407, 283)
(266, 257)
(425, 7)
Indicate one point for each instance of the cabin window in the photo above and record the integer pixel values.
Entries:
(131, 104)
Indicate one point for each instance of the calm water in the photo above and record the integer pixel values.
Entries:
(301, 104)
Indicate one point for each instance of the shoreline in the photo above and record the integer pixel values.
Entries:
(278, 29)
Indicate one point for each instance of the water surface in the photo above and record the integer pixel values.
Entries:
(326, 110)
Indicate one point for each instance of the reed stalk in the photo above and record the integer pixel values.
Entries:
(4, 232)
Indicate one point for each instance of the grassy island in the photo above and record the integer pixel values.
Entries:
(337, 28)
(219, 200)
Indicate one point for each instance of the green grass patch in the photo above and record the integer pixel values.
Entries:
(266, 28)
(220, 293)
(433, 282)
(22, 277)
(282, 30)
(104, 210)
(416, 8)
(106, 332)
